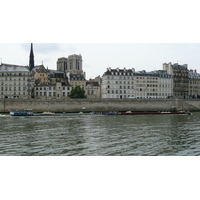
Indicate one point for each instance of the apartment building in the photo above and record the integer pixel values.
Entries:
(194, 84)
(118, 83)
(52, 91)
(93, 88)
(15, 81)
(126, 83)
(50, 84)
(155, 84)
(40, 74)
(180, 76)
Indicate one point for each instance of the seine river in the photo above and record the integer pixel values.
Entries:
(100, 135)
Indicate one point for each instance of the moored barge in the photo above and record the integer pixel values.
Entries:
(155, 113)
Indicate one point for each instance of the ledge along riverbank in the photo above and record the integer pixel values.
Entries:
(99, 105)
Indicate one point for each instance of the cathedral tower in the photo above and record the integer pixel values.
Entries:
(31, 59)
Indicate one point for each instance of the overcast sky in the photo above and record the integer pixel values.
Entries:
(98, 56)
(106, 33)
(132, 34)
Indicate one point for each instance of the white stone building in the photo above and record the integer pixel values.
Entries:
(15, 81)
(118, 83)
(126, 83)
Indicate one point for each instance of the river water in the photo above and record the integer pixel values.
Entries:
(100, 135)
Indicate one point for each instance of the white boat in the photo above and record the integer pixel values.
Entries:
(2, 115)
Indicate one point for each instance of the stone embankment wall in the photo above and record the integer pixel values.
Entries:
(101, 105)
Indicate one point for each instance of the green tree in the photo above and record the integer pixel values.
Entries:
(77, 92)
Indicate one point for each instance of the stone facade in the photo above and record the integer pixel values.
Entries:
(50, 84)
(180, 79)
(77, 80)
(99, 105)
(93, 90)
(194, 84)
(15, 81)
(40, 75)
(126, 83)
(56, 90)
(118, 83)
(72, 64)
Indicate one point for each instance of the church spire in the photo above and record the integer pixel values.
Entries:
(31, 59)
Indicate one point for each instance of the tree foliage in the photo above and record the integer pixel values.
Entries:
(77, 92)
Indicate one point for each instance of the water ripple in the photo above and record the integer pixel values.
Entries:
(96, 135)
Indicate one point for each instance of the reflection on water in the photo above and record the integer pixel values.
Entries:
(100, 135)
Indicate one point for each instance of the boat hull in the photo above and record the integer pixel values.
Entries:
(155, 113)
(21, 114)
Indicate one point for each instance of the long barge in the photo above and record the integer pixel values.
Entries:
(155, 113)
